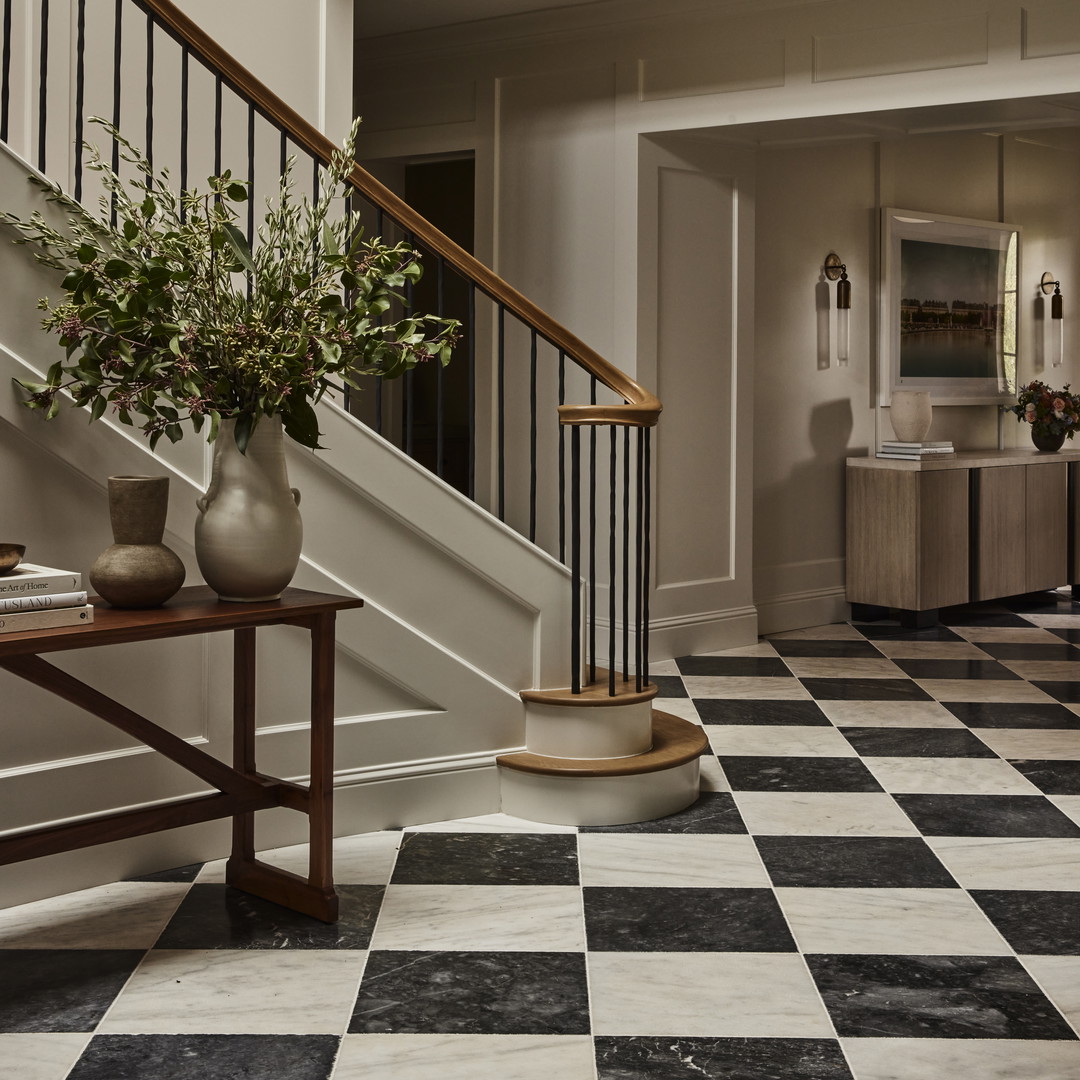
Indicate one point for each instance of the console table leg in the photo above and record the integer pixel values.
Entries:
(868, 613)
(919, 620)
(244, 734)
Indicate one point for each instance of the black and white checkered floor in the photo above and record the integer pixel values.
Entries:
(881, 881)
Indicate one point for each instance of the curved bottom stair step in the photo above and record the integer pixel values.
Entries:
(607, 791)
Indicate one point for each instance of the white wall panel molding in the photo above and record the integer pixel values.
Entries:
(1051, 28)
(425, 105)
(811, 607)
(711, 71)
(703, 632)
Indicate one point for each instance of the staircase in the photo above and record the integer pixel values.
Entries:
(542, 404)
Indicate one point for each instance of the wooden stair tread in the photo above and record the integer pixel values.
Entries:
(595, 694)
(675, 742)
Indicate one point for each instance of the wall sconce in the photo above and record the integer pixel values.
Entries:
(1056, 340)
(836, 271)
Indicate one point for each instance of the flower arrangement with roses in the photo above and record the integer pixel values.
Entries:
(1052, 412)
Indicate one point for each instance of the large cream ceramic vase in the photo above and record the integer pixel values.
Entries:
(249, 533)
(910, 414)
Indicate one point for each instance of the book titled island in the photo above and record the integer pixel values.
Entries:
(29, 579)
(44, 619)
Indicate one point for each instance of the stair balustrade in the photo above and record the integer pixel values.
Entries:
(588, 503)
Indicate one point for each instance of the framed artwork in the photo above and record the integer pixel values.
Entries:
(949, 304)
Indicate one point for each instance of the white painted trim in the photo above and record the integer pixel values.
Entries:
(794, 610)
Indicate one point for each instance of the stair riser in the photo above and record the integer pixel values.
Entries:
(561, 731)
(599, 800)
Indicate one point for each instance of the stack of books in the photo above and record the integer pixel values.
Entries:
(916, 451)
(37, 597)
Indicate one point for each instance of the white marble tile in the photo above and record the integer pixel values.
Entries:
(932, 650)
(498, 823)
(776, 687)
(753, 995)
(32, 1056)
(238, 991)
(980, 1059)
(812, 813)
(465, 1057)
(1010, 862)
(828, 632)
(123, 915)
(777, 740)
(712, 777)
(926, 922)
(949, 776)
(1032, 635)
(983, 690)
(1069, 805)
(917, 714)
(663, 667)
(1058, 622)
(1045, 670)
(363, 859)
(669, 860)
(1059, 978)
(762, 648)
(1037, 743)
(842, 667)
(481, 918)
(1072, 706)
(682, 707)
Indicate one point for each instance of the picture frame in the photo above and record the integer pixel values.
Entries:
(948, 307)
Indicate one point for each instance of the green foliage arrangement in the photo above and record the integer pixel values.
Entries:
(171, 318)
(1051, 412)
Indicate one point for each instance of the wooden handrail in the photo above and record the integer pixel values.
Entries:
(642, 409)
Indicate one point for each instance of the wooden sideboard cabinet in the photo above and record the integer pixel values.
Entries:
(923, 535)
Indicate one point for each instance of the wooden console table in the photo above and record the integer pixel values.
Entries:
(923, 535)
(241, 789)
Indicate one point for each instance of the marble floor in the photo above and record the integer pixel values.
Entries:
(881, 881)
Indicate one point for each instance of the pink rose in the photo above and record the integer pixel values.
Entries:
(1058, 404)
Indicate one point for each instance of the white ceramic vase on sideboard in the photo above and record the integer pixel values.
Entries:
(910, 414)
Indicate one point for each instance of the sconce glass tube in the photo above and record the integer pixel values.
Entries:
(1055, 339)
(836, 271)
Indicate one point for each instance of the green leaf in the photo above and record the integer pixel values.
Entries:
(86, 253)
(131, 230)
(117, 268)
(237, 192)
(237, 241)
(301, 424)
(97, 408)
(242, 431)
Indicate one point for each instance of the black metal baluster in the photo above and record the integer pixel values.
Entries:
(251, 178)
(440, 427)
(626, 555)
(532, 439)
(80, 93)
(647, 433)
(575, 559)
(562, 461)
(472, 390)
(639, 510)
(410, 376)
(149, 148)
(283, 152)
(379, 221)
(5, 74)
(501, 405)
(612, 569)
(118, 43)
(185, 88)
(217, 126)
(592, 540)
(43, 84)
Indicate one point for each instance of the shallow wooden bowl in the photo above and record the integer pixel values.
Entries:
(10, 556)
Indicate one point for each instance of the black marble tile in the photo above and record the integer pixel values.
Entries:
(669, 685)
(954, 669)
(751, 666)
(1060, 691)
(1051, 777)
(934, 997)
(1044, 923)
(220, 917)
(675, 1058)
(979, 617)
(895, 632)
(61, 989)
(207, 1057)
(760, 711)
(986, 815)
(1029, 650)
(865, 690)
(916, 742)
(1051, 602)
(477, 993)
(658, 919)
(746, 773)
(852, 862)
(714, 812)
(179, 874)
(845, 649)
(486, 859)
(1013, 714)
(1066, 633)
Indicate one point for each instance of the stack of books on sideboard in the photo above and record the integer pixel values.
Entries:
(916, 451)
(37, 597)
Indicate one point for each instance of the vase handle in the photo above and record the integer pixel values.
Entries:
(296, 495)
(202, 503)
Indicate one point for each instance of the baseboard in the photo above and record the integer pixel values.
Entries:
(702, 632)
(795, 610)
(387, 798)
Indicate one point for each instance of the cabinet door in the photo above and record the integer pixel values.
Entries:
(943, 539)
(1001, 528)
(1047, 527)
